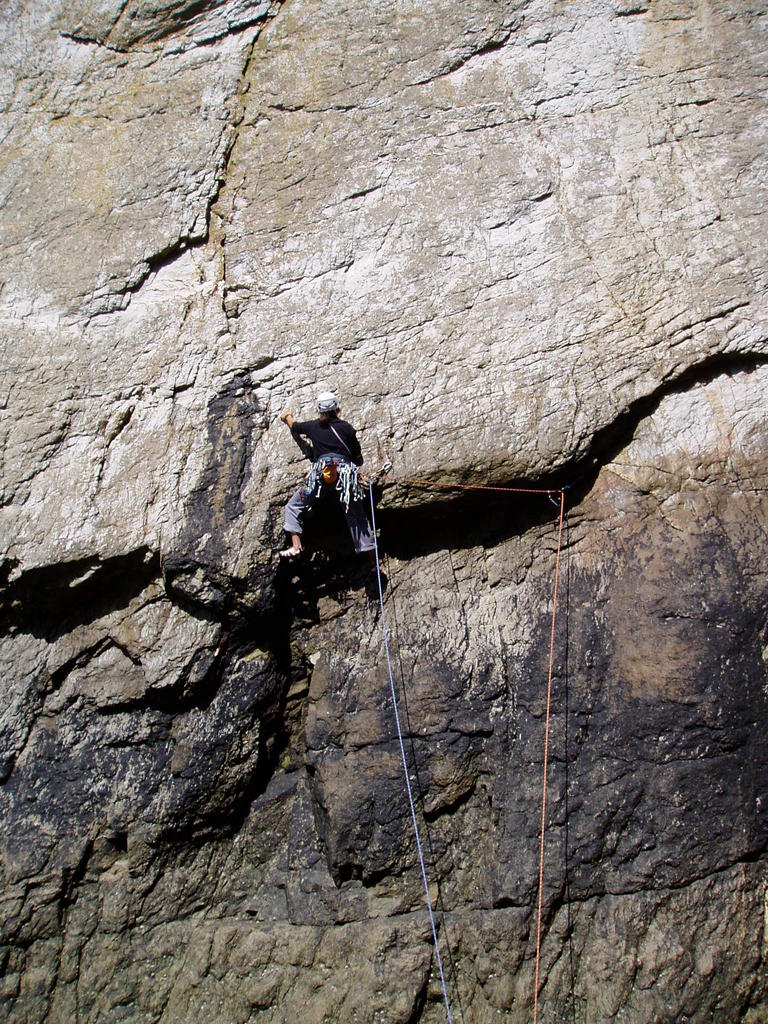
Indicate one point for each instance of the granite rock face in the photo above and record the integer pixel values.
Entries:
(524, 241)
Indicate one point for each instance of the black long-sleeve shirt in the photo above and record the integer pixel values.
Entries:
(341, 440)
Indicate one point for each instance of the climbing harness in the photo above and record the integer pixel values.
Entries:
(552, 494)
(337, 472)
(405, 767)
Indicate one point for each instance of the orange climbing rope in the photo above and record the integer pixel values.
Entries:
(432, 485)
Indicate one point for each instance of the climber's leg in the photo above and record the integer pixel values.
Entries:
(294, 510)
(360, 529)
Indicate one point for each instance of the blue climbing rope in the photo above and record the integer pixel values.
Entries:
(405, 766)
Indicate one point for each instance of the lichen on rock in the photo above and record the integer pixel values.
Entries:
(524, 242)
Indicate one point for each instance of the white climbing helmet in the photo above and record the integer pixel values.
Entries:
(327, 402)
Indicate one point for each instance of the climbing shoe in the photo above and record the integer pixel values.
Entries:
(291, 554)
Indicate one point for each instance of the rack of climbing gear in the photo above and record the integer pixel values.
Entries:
(336, 472)
(557, 496)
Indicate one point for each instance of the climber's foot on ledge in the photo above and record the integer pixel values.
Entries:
(291, 554)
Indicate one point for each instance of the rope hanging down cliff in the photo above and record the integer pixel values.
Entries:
(405, 768)
(546, 758)
(549, 492)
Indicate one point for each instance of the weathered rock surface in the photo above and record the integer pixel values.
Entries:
(525, 242)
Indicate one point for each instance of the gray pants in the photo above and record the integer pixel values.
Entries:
(357, 520)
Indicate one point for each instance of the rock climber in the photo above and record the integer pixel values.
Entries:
(336, 459)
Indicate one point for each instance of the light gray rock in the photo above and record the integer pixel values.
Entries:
(524, 241)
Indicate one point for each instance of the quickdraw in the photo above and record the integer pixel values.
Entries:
(330, 470)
